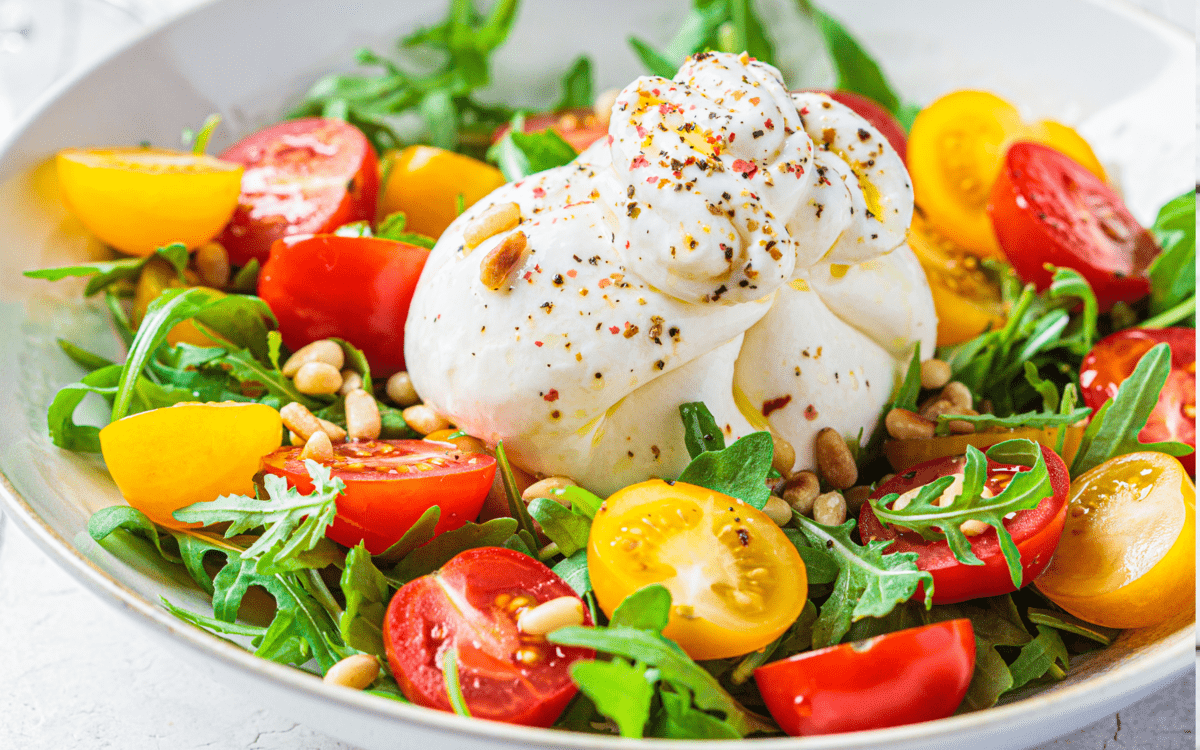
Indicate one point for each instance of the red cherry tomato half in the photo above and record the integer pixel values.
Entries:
(390, 483)
(471, 605)
(578, 127)
(1046, 208)
(913, 675)
(302, 177)
(1035, 531)
(876, 115)
(354, 288)
(1114, 358)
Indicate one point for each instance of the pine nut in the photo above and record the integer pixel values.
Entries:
(298, 419)
(934, 374)
(362, 416)
(550, 616)
(329, 352)
(350, 381)
(604, 106)
(958, 394)
(503, 260)
(424, 420)
(212, 265)
(356, 672)
(496, 219)
(834, 459)
(784, 457)
(295, 439)
(937, 408)
(902, 424)
(801, 492)
(855, 497)
(830, 509)
(318, 379)
(318, 448)
(973, 527)
(400, 390)
(542, 487)
(778, 510)
(335, 432)
(960, 426)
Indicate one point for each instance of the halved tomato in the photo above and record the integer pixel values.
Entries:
(390, 483)
(904, 454)
(471, 606)
(431, 186)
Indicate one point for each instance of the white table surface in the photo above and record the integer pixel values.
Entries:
(76, 674)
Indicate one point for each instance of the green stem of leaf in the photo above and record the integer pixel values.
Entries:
(453, 685)
(1182, 311)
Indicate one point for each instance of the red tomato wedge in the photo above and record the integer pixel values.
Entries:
(472, 605)
(353, 288)
(913, 675)
(1114, 358)
(302, 177)
(390, 483)
(1036, 532)
(1046, 208)
(875, 114)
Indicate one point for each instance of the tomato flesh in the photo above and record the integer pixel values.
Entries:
(472, 605)
(354, 288)
(390, 483)
(913, 675)
(1113, 359)
(302, 176)
(1046, 208)
(1035, 531)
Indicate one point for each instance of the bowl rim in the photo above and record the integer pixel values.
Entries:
(1127, 678)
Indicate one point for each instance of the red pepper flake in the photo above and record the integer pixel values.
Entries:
(626, 244)
(537, 268)
(747, 168)
(641, 131)
(537, 343)
(571, 273)
(810, 412)
(638, 162)
(538, 192)
(775, 404)
(754, 99)
(610, 140)
(656, 92)
(604, 282)
(651, 180)
(732, 136)
(551, 395)
(614, 330)
(770, 125)
(528, 275)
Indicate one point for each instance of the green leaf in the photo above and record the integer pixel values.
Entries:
(576, 85)
(107, 520)
(906, 396)
(393, 228)
(1072, 624)
(1173, 272)
(519, 154)
(82, 357)
(856, 70)
(200, 144)
(820, 566)
(445, 546)
(450, 677)
(516, 505)
(619, 691)
(579, 499)
(1067, 284)
(869, 584)
(700, 430)
(1040, 658)
(561, 525)
(647, 609)
(748, 32)
(574, 570)
(738, 471)
(1034, 419)
(680, 720)
(1114, 429)
(366, 592)
(106, 273)
(655, 62)
(1045, 388)
(419, 533)
(245, 281)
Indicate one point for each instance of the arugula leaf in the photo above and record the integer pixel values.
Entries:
(579, 499)
(680, 720)
(574, 570)
(655, 62)
(393, 228)
(563, 526)
(648, 608)
(420, 532)
(1114, 429)
(910, 387)
(245, 281)
(1173, 272)
(82, 357)
(199, 139)
(748, 32)
(856, 70)
(120, 319)
(1072, 624)
(820, 567)
(1039, 658)
(366, 592)
(619, 691)
(869, 584)
(436, 553)
(105, 273)
(519, 154)
(576, 85)
(700, 430)
(107, 520)
(516, 505)
(1034, 419)
(738, 471)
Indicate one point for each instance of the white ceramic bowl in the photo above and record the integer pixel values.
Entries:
(1125, 77)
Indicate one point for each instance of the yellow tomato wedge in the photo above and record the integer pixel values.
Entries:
(425, 183)
(140, 199)
(1127, 558)
(955, 151)
(736, 582)
(167, 458)
(902, 454)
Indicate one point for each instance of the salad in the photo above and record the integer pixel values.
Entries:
(706, 408)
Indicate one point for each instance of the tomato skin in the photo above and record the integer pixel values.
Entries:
(425, 182)
(377, 506)
(1046, 208)
(875, 114)
(1113, 359)
(904, 454)
(304, 176)
(1036, 533)
(909, 676)
(458, 607)
(354, 288)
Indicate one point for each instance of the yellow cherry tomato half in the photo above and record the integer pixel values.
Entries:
(140, 199)
(955, 151)
(167, 458)
(736, 582)
(425, 183)
(902, 454)
(1127, 558)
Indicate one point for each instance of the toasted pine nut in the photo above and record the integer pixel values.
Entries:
(362, 416)
(400, 390)
(212, 265)
(604, 106)
(960, 426)
(329, 352)
(423, 419)
(318, 448)
(972, 527)
(830, 509)
(550, 616)
(542, 487)
(903, 424)
(335, 433)
(503, 259)
(356, 672)
(498, 218)
(778, 510)
(855, 497)
(934, 373)
(834, 459)
(295, 439)
(318, 379)
(298, 419)
(350, 381)
(801, 491)
(784, 456)
(958, 394)
(937, 408)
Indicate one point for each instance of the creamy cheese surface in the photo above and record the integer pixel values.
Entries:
(729, 243)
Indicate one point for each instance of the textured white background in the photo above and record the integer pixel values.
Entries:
(75, 674)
